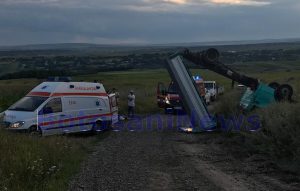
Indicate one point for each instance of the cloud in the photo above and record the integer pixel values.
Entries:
(188, 6)
(138, 5)
(29, 1)
(156, 5)
(241, 2)
(180, 2)
(145, 21)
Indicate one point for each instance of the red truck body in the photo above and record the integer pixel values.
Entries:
(169, 99)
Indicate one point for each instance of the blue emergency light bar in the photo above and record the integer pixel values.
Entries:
(197, 78)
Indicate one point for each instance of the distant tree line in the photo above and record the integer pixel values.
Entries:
(42, 74)
(39, 74)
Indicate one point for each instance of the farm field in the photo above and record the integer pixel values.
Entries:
(38, 163)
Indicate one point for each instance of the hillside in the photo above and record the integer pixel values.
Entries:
(76, 59)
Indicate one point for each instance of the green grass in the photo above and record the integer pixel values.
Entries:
(261, 67)
(30, 162)
(12, 90)
(278, 138)
(143, 82)
(37, 163)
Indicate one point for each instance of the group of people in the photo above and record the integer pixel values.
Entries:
(130, 101)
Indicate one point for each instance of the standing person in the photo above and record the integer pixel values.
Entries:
(131, 104)
(115, 91)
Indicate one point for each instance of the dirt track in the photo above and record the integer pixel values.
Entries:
(170, 160)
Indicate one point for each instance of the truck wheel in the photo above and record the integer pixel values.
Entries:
(284, 93)
(166, 111)
(274, 85)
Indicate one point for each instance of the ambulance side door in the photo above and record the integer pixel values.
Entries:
(50, 117)
(78, 110)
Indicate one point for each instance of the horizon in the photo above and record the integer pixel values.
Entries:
(205, 43)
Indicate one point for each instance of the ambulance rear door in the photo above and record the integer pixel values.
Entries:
(113, 108)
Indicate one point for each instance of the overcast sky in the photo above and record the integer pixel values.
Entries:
(146, 21)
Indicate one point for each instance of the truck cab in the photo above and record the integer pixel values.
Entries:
(169, 99)
(211, 89)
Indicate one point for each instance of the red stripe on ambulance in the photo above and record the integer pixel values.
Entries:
(47, 94)
(43, 94)
(79, 94)
(74, 119)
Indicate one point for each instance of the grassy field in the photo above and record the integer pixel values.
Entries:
(37, 163)
(30, 162)
(46, 163)
(278, 139)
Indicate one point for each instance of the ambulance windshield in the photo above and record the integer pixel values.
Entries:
(28, 103)
(209, 85)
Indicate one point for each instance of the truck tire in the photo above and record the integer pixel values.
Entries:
(284, 93)
(166, 111)
(213, 98)
(274, 85)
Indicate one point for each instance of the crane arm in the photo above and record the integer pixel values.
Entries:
(209, 59)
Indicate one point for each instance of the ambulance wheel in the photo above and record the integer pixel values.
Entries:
(274, 85)
(33, 129)
(97, 127)
(284, 93)
(101, 126)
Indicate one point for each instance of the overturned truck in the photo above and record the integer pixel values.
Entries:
(257, 94)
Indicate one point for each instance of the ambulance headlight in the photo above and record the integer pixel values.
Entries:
(17, 124)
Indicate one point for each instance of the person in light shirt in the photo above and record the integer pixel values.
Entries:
(207, 97)
(131, 104)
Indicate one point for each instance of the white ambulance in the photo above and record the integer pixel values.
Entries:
(63, 107)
